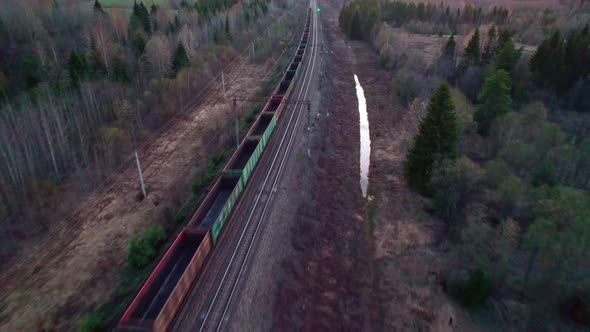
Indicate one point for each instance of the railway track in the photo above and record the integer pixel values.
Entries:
(210, 301)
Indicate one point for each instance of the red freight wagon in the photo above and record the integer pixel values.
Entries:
(162, 295)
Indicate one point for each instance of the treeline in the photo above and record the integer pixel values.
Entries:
(562, 64)
(560, 67)
(397, 13)
(206, 8)
(358, 19)
(80, 88)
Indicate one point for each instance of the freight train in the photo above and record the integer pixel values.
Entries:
(162, 295)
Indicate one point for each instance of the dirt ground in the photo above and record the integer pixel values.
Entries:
(331, 259)
(80, 266)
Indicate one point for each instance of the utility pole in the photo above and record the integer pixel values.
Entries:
(140, 175)
(223, 83)
(309, 129)
(253, 53)
(237, 125)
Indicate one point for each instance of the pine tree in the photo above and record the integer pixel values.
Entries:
(450, 46)
(436, 141)
(227, 28)
(490, 48)
(98, 7)
(577, 56)
(139, 44)
(472, 53)
(548, 63)
(33, 70)
(180, 58)
(140, 18)
(120, 73)
(504, 37)
(446, 64)
(144, 16)
(507, 56)
(78, 67)
(494, 100)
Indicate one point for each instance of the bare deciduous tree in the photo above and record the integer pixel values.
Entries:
(158, 54)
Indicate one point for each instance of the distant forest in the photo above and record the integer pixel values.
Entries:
(81, 85)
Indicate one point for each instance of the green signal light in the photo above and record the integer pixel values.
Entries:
(318, 9)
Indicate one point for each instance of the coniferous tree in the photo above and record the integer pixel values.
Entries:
(577, 56)
(472, 53)
(145, 18)
(120, 73)
(33, 70)
(140, 18)
(78, 67)
(548, 62)
(139, 44)
(494, 100)
(227, 28)
(504, 36)
(98, 7)
(450, 46)
(180, 58)
(490, 47)
(446, 64)
(436, 141)
(507, 56)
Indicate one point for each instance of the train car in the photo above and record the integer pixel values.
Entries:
(161, 296)
(217, 205)
(245, 159)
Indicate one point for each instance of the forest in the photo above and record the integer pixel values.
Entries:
(82, 84)
(502, 156)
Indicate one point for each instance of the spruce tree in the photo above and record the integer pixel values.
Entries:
(78, 67)
(144, 16)
(503, 38)
(577, 56)
(119, 72)
(494, 100)
(436, 141)
(355, 26)
(139, 44)
(472, 53)
(507, 56)
(449, 49)
(180, 58)
(33, 70)
(547, 65)
(227, 28)
(490, 48)
(98, 7)
(446, 64)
